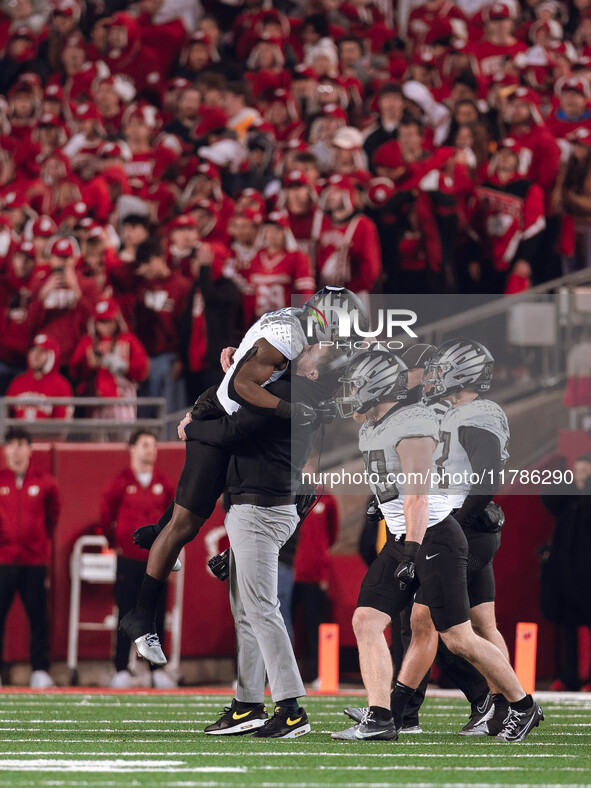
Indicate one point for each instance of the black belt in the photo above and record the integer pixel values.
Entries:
(253, 499)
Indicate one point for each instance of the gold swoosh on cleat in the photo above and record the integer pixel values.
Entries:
(240, 716)
(293, 722)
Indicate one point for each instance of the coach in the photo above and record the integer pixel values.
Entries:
(265, 469)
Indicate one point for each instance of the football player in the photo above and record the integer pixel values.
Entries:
(426, 547)
(262, 357)
(454, 668)
(474, 435)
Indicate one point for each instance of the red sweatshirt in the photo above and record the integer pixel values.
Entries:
(160, 307)
(126, 505)
(28, 517)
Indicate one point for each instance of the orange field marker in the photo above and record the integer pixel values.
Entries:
(328, 658)
(526, 644)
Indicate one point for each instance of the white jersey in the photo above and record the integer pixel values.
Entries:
(378, 441)
(451, 458)
(283, 330)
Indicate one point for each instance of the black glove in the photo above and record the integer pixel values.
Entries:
(326, 412)
(405, 574)
(374, 513)
(406, 569)
(145, 536)
(489, 521)
(220, 565)
(303, 415)
(306, 498)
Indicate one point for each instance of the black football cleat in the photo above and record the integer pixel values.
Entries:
(284, 724)
(518, 724)
(235, 722)
(481, 713)
(372, 729)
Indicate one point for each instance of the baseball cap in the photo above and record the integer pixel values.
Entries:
(296, 178)
(182, 222)
(106, 310)
(63, 247)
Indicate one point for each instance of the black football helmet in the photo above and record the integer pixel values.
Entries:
(372, 376)
(456, 364)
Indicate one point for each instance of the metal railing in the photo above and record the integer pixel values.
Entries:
(163, 425)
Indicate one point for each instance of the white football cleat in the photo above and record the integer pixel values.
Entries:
(40, 679)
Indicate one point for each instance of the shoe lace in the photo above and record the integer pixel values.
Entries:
(511, 722)
(153, 639)
(367, 716)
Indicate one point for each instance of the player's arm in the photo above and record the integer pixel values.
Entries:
(416, 458)
(246, 385)
(226, 432)
(255, 369)
(484, 453)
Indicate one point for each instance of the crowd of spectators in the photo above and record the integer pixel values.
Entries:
(170, 170)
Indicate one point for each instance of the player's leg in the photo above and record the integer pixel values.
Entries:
(447, 597)
(487, 716)
(126, 591)
(379, 598)
(484, 623)
(416, 663)
(247, 711)
(375, 662)
(465, 677)
(200, 484)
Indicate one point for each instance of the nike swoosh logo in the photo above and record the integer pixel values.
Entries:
(240, 716)
(293, 722)
(429, 557)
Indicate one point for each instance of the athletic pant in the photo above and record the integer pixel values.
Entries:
(256, 535)
(30, 583)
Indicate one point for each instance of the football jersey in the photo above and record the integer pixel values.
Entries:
(283, 330)
(378, 442)
(451, 458)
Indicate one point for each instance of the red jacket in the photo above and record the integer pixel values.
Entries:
(273, 280)
(317, 535)
(126, 505)
(348, 253)
(505, 217)
(102, 381)
(160, 306)
(28, 517)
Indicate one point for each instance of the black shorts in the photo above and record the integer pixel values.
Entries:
(482, 548)
(203, 477)
(441, 569)
(380, 589)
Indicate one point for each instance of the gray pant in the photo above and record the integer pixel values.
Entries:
(256, 535)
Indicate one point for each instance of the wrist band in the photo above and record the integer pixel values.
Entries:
(283, 409)
(410, 550)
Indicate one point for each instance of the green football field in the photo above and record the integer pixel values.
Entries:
(156, 739)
